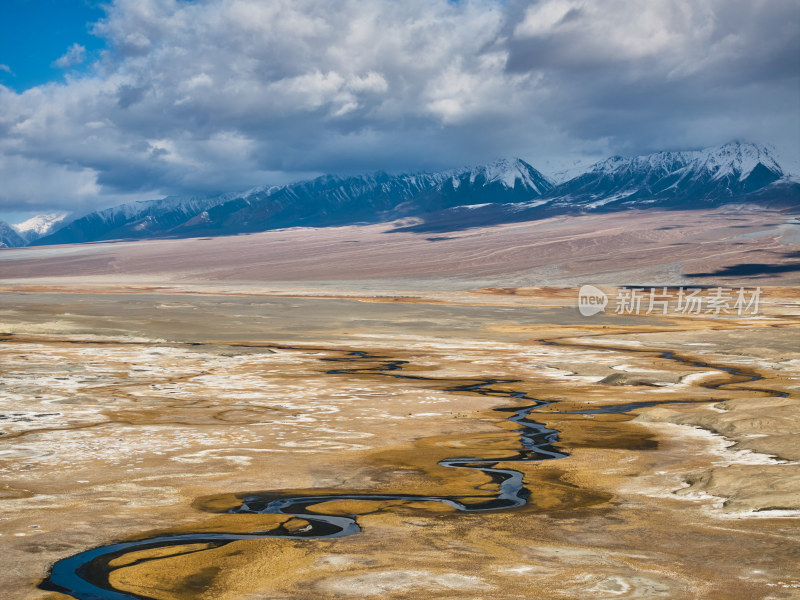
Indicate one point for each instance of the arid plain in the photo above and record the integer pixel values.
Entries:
(151, 389)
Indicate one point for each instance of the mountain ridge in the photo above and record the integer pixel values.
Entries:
(501, 191)
(712, 174)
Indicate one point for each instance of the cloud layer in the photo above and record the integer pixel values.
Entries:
(225, 94)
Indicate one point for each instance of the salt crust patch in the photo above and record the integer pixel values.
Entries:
(720, 446)
(51, 327)
(717, 444)
(618, 342)
(693, 378)
(632, 369)
(379, 583)
(125, 375)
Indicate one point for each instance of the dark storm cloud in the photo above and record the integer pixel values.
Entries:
(668, 74)
(221, 95)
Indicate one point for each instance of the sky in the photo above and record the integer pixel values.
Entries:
(109, 102)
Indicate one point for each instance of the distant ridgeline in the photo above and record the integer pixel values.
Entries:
(504, 191)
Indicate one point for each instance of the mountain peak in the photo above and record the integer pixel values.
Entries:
(511, 173)
(40, 224)
(507, 170)
(737, 159)
(32, 229)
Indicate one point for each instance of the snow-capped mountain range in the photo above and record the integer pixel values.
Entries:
(326, 200)
(506, 190)
(714, 174)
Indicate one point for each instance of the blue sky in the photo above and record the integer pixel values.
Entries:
(139, 99)
(34, 34)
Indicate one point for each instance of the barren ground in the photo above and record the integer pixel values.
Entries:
(140, 398)
(634, 247)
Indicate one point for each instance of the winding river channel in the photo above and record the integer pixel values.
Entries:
(86, 575)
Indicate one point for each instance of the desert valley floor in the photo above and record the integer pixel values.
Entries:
(166, 390)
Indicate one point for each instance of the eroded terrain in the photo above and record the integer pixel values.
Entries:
(131, 416)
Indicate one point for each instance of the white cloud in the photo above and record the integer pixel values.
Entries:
(545, 17)
(226, 94)
(25, 186)
(74, 55)
(6, 68)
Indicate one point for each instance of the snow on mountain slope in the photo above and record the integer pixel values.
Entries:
(133, 220)
(144, 208)
(22, 234)
(510, 173)
(9, 238)
(736, 159)
(40, 224)
(707, 176)
(736, 172)
(658, 163)
(333, 200)
(564, 173)
(501, 191)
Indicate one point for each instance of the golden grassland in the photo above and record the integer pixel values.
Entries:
(125, 424)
